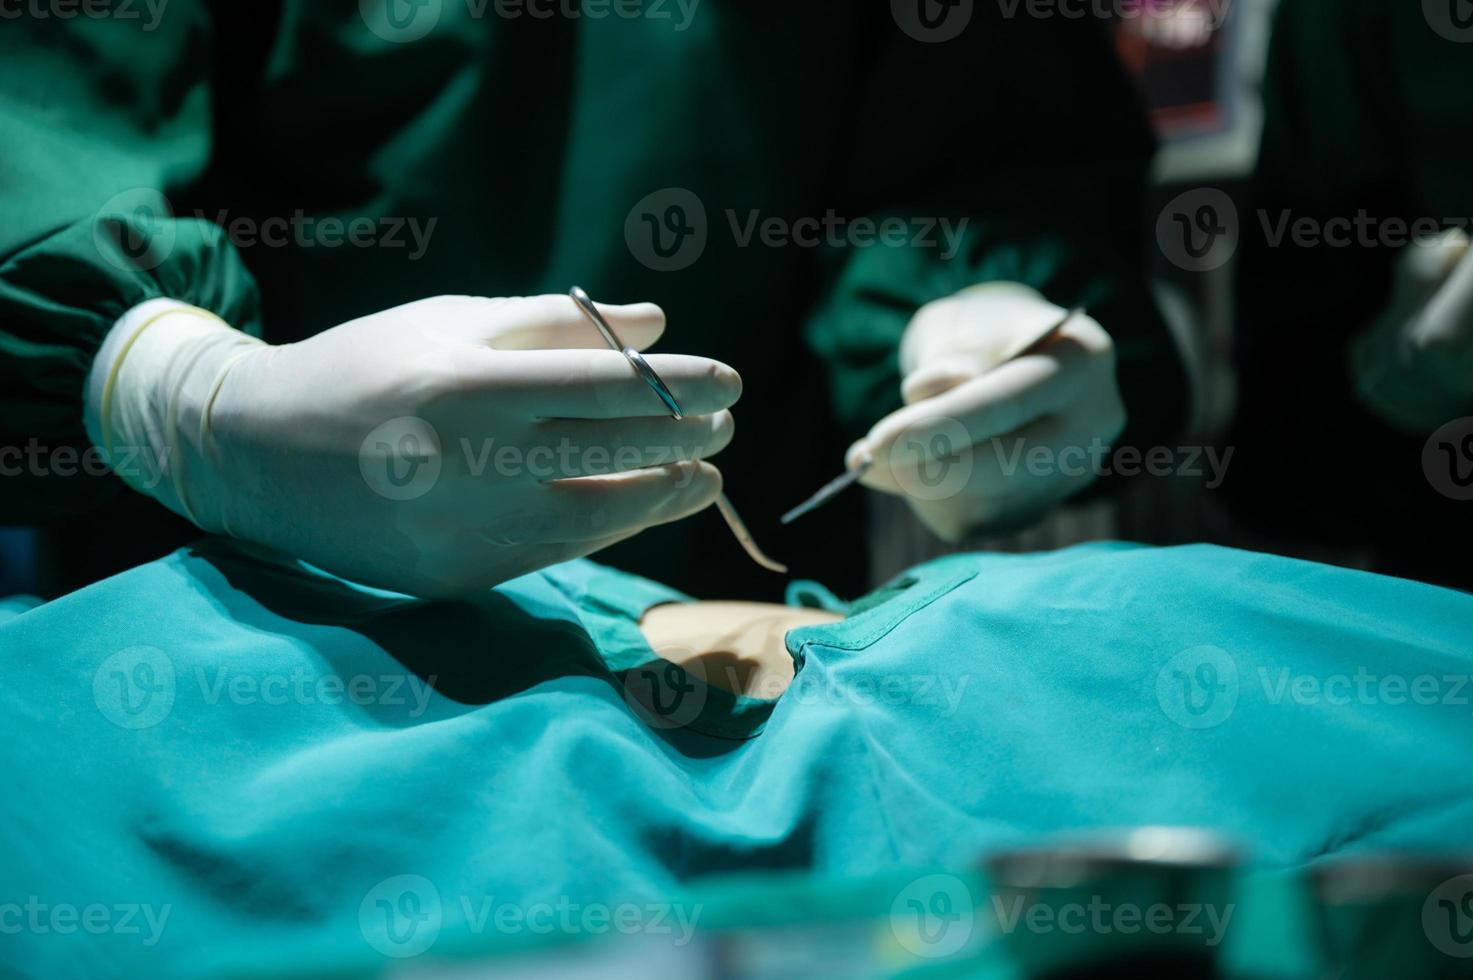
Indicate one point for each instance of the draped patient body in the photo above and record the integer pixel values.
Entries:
(738, 646)
(258, 749)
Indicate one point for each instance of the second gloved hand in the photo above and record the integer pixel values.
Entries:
(1413, 366)
(988, 439)
(437, 448)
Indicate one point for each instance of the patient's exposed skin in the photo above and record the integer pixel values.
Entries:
(738, 646)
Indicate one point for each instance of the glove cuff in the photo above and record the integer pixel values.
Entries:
(147, 400)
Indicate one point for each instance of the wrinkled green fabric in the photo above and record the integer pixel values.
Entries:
(529, 143)
(255, 747)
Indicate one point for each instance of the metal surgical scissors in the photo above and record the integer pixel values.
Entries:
(657, 384)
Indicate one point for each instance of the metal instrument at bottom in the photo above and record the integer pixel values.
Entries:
(1084, 885)
(667, 397)
(1393, 914)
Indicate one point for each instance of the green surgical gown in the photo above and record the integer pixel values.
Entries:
(1368, 130)
(532, 154)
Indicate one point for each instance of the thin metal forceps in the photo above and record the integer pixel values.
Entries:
(657, 384)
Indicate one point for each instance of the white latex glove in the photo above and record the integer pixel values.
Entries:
(436, 448)
(1414, 365)
(959, 451)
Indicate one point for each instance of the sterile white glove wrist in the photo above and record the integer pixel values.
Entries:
(437, 448)
(147, 400)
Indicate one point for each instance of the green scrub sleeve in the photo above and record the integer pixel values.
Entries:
(104, 121)
(1026, 160)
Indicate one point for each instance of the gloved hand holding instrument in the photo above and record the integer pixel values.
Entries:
(995, 363)
(1413, 366)
(436, 448)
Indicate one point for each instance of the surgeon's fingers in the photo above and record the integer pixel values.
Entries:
(639, 498)
(1448, 321)
(598, 384)
(551, 322)
(999, 466)
(1004, 399)
(1001, 484)
(586, 447)
(596, 507)
(938, 378)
